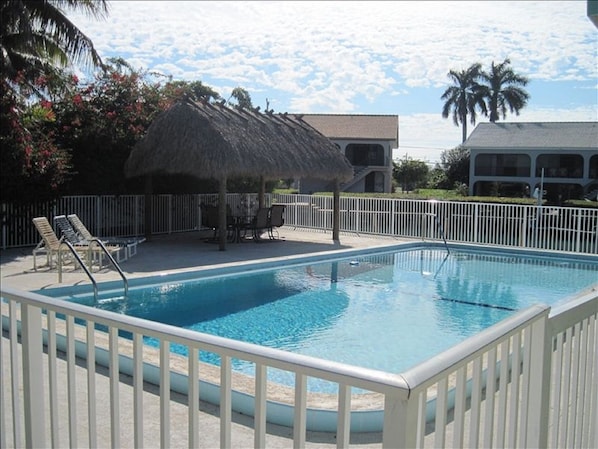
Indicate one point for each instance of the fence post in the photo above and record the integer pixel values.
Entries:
(170, 212)
(98, 224)
(523, 230)
(539, 391)
(476, 221)
(199, 217)
(33, 388)
(400, 423)
(578, 231)
(136, 215)
(393, 231)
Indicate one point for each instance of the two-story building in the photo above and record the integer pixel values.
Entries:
(513, 159)
(367, 141)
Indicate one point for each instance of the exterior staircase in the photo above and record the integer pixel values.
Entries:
(359, 173)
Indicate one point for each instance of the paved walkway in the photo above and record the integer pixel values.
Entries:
(166, 254)
(178, 253)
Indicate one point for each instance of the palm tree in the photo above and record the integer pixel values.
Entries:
(36, 37)
(464, 96)
(503, 89)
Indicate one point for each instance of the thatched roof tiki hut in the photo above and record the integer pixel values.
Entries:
(212, 141)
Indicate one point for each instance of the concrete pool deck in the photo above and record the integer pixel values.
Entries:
(178, 253)
(172, 254)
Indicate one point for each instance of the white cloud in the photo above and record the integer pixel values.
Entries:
(422, 37)
(355, 56)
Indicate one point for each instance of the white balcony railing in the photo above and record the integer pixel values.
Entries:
(529, 381)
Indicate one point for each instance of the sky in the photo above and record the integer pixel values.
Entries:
(352, 57)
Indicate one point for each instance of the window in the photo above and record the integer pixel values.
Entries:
(594, 167)
(560, 165)
(502, 165)
(365, 154)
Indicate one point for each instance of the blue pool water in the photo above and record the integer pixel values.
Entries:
(386, 311)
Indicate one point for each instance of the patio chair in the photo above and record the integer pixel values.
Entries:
(212, 221)
(50, 245)
(276, 220)
(94, 251)
(79, 227)
(129, 246)
(260, 224)
(69, 233)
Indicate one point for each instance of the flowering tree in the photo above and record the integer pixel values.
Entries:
(32, 166)
(37, 43)
(101, 122)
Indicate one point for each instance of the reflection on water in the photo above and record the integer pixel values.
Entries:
(386, 311)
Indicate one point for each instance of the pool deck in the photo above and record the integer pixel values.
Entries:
(176, 253)
(172, 254)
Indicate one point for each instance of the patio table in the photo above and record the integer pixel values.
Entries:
(240, 224)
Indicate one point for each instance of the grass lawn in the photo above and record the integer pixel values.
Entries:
(450, 195)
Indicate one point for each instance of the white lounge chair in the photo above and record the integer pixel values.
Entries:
(129, 246)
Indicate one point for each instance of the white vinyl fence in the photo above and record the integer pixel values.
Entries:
(551, 228)
(529, 381)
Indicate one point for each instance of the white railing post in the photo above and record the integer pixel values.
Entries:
(476, 221)
(33, 385)
(523, 230)
(400, 423)
(96, 229)
(199, 218)
(393, 204)
(580, 214)
(539, 391)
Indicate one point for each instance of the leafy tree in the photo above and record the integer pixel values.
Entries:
(243, 99)
(410, 174)
(32, 166)
(503, 90)
(194, 90)
(437, 179)
(455, 163)
(464, 96)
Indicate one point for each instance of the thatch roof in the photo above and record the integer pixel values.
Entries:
(213, 141)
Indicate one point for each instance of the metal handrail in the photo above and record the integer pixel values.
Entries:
(122, 275)
(441, 230)
(78, 258)
(438, 225)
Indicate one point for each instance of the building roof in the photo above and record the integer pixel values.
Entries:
(546, 135)
(353, 126)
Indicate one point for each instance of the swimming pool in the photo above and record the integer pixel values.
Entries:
(384, 310)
